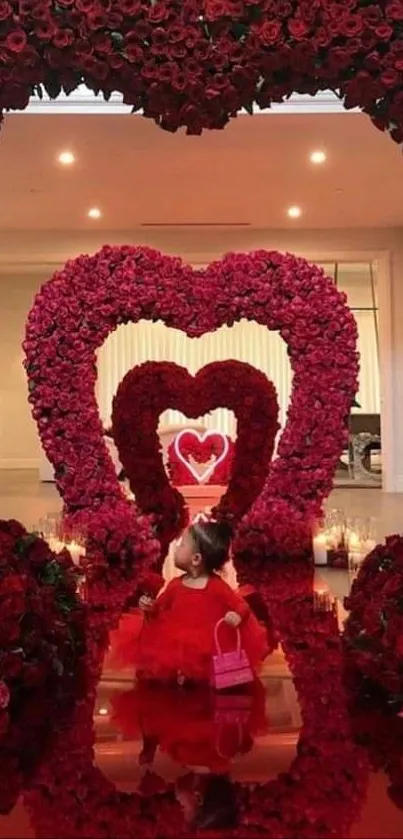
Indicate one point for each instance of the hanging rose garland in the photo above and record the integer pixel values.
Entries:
(151, 388)
(71, 317)
(196, 65)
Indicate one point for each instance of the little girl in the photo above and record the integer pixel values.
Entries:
(176, 642)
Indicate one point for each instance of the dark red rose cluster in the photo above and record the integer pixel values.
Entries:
(197, 64)
(41, 642)
(374, 630)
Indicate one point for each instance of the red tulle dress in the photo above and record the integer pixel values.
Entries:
(196, 728)
(178, 636)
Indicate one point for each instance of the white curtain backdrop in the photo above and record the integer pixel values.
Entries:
(135, 343)
(369, 393)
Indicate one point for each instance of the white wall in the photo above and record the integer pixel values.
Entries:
(26, 261)
(19, 444)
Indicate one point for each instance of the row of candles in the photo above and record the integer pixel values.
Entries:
(51, 528)
(344, 542)
(338, 534)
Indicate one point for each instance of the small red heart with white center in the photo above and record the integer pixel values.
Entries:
(210, 448)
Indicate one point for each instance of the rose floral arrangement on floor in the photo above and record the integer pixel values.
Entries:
(41, 644)
(74, 312)
(373, 636)
(195, 458)
(192, 65)
(151, 388)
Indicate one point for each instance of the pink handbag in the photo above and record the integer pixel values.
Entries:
(232, 709)
(230, 669)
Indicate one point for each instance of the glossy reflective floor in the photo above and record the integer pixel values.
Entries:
(117, 754)
(189, 739)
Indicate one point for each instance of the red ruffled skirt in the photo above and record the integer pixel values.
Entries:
(157, 651)
(196, 728)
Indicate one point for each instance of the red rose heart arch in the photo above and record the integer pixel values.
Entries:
(149, 389)
(72, 315)
(196, 64)
(76, 310)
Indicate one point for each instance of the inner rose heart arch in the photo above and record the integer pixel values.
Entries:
(75, 311)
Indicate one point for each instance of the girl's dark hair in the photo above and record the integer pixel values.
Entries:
(218, 809)
(212, 539)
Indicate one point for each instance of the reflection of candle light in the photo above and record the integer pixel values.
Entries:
(322, 600)
(320, 549)
(353, 542)
(103, 712)
(370, 545)
(55, 544)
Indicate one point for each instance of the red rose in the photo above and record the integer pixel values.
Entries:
(13, 584)
(384, 32)
(158, 12)
(352, 25)
(96, 19)
(130, 8)
(13, 527)
(16, 41)
(11, 665)
(216, 9)
(9, 632)
(38, 553)
(390, 78)
(394, 10)
(270, 32)
(45, 30)
(4, 695)
(5, 10)
(63, 38)
(298, 28)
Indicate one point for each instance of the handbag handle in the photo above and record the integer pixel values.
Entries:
(218, 745)
(217, 643)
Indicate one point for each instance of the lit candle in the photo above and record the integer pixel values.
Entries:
(76, 551)
(353, 542)
(320, 549)
(334, 537)
(55, 544)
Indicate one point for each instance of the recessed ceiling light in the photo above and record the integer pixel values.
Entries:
(294, 212)
(66, 158)
(318, 157)
(94, 213)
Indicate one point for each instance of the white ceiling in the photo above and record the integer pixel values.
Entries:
(247, 174)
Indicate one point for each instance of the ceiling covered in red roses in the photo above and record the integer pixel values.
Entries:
(247, 175)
